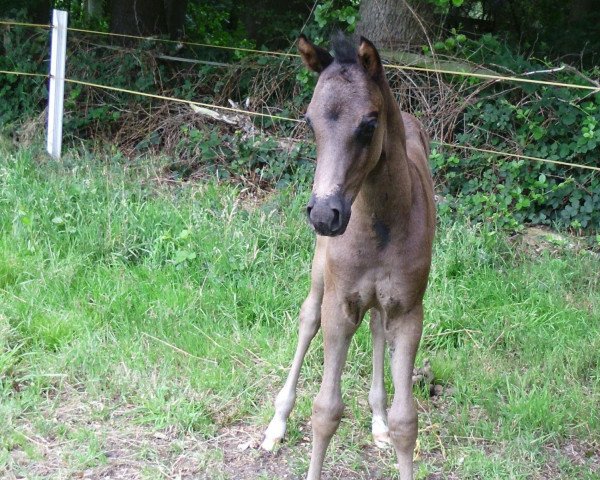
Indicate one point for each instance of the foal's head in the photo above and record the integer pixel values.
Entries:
(347, 116)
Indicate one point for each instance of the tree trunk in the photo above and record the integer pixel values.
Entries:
(40, 11)
(147, 17)
(175, 13)
(392, 24)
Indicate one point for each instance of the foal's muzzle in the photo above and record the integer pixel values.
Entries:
(329, 215)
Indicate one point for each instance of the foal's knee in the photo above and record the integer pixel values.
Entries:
(326, 415)
(310, 317)
(403, 427)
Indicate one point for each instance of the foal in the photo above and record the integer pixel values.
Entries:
(373, 210)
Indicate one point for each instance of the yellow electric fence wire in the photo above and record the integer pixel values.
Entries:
(25, 73)
(399, 67)
(180, 100)
(279, 117)
(23, 24)
(177, 42)
(516, 155)
(284, 54)
(496, 77)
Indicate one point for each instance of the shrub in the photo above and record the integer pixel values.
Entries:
(22, 97)
(535, 120)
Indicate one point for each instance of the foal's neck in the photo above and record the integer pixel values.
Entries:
(386, 192)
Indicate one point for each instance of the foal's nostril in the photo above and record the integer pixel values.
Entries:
(309, 206)
(326, 215)
(308, 210)
(336, 222)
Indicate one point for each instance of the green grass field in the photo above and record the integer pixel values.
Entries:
(146, 325)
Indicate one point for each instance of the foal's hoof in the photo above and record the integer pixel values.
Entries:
(274, 434)
(269, 443)
(381, 432)
(382, 440)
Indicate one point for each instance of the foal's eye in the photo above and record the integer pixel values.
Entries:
(365, 131)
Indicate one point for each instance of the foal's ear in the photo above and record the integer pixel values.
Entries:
(369, 58)
(315, 58)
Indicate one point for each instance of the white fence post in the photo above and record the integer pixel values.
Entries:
(56, 89)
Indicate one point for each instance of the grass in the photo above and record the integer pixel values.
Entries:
(145, 327)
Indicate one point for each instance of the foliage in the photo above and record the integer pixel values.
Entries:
(257, 158)
(29, 10)
(535, 120)
(565, 29)
(211, 22)
(547, 122)
(444, 5)
(21, 97)
(333, 14)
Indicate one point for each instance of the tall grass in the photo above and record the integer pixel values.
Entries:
(180, 301)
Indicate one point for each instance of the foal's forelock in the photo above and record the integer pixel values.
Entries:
(344, 50)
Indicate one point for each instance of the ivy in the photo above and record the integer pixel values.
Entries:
(512, 192)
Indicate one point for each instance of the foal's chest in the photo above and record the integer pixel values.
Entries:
(365, 276)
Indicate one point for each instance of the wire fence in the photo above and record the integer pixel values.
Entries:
(24, 24)
(181, 100)
(178, 42)
(388, 65)
(295, 120)
(504, 78)
(25, 74)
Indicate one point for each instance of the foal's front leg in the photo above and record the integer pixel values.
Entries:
(338, 328)
(310, 321)
(404, 334)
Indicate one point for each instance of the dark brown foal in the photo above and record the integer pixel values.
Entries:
(373, 210)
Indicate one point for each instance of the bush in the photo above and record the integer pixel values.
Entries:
(535, 120)
(22, 97)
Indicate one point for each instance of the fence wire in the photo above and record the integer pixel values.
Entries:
(295, 120)
(486, 76)
(178, 42)
(27, 74)
(389, 65)
(181, 100)
(24, 24)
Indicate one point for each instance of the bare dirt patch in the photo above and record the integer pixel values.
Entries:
(74, 436)
(575, 452)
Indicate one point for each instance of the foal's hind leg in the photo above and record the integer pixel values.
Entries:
(310, 321)
(377, 394)
(404, 333)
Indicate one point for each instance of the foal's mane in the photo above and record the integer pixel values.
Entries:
(344, 48)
